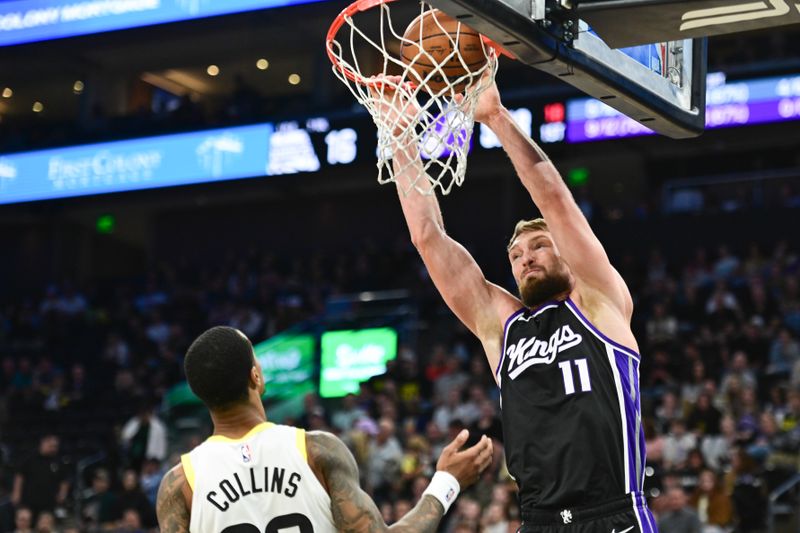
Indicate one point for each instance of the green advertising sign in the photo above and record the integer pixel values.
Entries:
(288, 365)
(352, 356)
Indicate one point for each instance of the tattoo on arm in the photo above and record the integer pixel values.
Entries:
(353, 510)
(424, 517)
(171, 509)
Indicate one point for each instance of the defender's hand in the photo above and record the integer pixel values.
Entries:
(466, 466)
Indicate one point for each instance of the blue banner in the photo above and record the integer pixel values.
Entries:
(212, 155)
(26, 21)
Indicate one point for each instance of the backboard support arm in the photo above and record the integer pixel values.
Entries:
(558, 46)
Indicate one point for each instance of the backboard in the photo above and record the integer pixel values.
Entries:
(659, 84)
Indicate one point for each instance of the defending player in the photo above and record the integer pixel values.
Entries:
(566, 360)
(254, 476)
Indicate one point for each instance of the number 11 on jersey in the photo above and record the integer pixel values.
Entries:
(583, 375)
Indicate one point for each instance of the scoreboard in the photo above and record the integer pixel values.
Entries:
(728, 104)
(315, 144)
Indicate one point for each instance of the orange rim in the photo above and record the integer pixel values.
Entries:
(356, 7)
(497, 48)
(360, 6)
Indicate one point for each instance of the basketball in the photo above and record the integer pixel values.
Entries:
(438, 34)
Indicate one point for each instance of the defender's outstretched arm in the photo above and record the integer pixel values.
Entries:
(355, 512)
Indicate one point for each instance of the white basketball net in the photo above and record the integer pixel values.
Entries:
(437, 122)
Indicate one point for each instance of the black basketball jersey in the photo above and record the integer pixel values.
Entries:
(570, 407)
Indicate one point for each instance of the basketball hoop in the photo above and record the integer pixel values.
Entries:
(443, 117)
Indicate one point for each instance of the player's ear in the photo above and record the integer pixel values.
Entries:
(255, 376)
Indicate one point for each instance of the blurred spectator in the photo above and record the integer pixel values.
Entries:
(489, 423)
(791, 420)
(248, 320)
(143, 436)
(131, 522)
(387, 512)
(453, 378)
(312, 408)
(347, 415)
(46, 523)
(713, 506)
(722, 305)
(416, 460)
(795, 379)
(466, 518)
(401, 508)
(693, 386)
(677, 445)
(494, 519)
(385, 456)
(668, 411)
(454, 408)
(100, 503)
(23, 520)
(679, 517)
(739, 376)
(151, 476)
(158, 329)
(42, 483)
(662, 327)
(132, 497)
(117, 351)
(690, 472)
(704, 417)
(717, 449)
(784, 354)
(748, 492)
(71, 303)
(436, 366)
(726, 264)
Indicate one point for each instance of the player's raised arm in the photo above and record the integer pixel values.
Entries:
(482, 306)
(571, 232)
(355, 512)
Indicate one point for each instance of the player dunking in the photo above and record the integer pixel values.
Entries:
(566, 360)
(254, 476)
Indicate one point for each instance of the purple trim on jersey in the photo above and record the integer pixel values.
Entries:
(621, 360)
(640, 510)
(642, 444)
(599, 333)
(646, 517)
(637, 510)
(514, 315)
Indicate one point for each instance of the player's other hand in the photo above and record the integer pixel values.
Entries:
(466, 466)
(489, 103)
(396, 108)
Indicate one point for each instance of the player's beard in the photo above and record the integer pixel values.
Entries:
(534, 292)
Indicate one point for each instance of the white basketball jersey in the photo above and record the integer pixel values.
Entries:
(260, 483)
